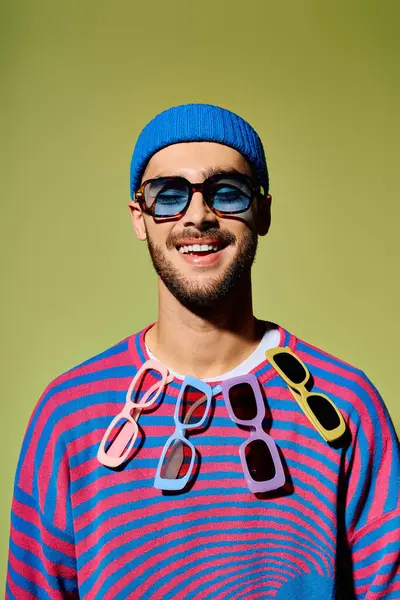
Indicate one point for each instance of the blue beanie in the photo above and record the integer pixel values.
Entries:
(197, 123)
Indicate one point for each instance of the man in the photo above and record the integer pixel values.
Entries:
(289, 484)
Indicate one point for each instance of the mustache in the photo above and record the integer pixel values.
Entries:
(217, 235)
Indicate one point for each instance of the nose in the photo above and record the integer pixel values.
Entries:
(199, 214)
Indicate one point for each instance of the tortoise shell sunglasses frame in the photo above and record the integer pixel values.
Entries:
(204, 188)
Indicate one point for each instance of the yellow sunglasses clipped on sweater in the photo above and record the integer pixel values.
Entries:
(320, 410)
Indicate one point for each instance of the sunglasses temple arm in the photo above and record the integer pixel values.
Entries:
(196, 405)
(156, 388)
(124, 436)
(148, 394)
(173, 463)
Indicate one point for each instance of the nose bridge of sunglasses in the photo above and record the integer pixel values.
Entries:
(199, 200)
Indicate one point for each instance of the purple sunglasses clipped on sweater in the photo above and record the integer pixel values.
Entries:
(261, 463)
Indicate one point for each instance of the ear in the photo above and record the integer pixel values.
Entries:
(138, 220)
(263, 214)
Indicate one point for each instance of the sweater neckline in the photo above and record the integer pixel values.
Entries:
(263, 371)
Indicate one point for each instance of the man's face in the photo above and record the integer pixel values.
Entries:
(196, 278)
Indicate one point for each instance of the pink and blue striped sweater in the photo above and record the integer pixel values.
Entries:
(81, 530)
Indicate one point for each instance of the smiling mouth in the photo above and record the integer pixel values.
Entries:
(200, 249)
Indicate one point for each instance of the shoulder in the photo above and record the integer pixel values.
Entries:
(87, 376)
(126, 355)
(350, 386)
(74, 396)
(325, 362)
(322, 363)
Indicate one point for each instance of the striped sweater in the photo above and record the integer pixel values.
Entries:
(82, 530)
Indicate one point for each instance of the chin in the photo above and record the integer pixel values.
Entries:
(206, 292)
(199, 297)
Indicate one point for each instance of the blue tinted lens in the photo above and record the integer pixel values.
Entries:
(169, 197)
(232, 196)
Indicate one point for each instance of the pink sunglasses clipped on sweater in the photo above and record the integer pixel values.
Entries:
(121, 434)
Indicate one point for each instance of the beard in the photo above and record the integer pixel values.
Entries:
(200, 296)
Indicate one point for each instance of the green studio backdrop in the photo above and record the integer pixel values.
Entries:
(319, 82)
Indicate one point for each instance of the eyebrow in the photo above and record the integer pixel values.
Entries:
(207, 172)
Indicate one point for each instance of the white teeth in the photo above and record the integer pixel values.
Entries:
(198, 248)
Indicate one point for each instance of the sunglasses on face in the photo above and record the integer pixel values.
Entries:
(224, 194)
(320, 410)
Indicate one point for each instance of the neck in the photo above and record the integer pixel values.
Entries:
(205, 343)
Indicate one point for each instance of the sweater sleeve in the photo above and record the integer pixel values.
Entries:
(41, 563)
(373, 501)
